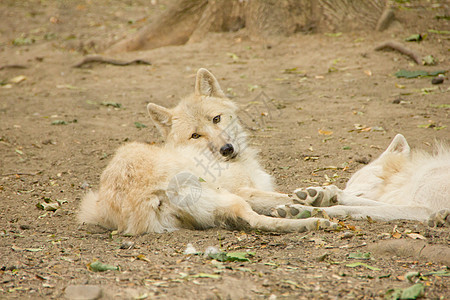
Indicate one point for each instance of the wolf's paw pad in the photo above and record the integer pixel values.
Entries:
(297, 211)
(318, 196)
(440, 218)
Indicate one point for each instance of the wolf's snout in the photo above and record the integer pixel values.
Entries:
(227, 150)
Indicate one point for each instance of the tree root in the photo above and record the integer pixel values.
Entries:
(400, 48)
(102, 60)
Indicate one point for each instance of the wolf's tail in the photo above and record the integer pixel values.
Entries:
(88, 211)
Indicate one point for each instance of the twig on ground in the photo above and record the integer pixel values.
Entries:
(386, 19)
(115, 62)
(20, 173)
(13, 67)
(400, 48)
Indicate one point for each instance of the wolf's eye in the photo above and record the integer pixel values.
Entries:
(216, 119)
(195, 136)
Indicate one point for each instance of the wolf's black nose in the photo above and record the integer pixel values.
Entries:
(227, 150)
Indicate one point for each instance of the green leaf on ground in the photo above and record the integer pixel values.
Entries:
(417, 73)
(34, 249)
(357, 264)
(205, 275)
(438, 273)
(231, 256)
(20, 41)
(59, 122)
(439, 31)
(48, 206)
(360, 255)
(440, 105)
(413, 292)
(429, 60)
(337, 34)
(414, 38)
(139, 125)
(97, 266)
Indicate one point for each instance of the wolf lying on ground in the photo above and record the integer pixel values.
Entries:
(400, 184)
(203, 176)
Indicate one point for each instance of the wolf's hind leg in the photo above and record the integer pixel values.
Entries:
(385, 212)
(440, 218)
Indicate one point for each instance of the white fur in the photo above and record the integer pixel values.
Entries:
(135, 195)
(400, 184)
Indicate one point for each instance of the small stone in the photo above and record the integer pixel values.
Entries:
(211, 250)
(127, 245)
(362, 160)
(24, 226)
(84, 186)
(437, 80)
(347, 235)
(322, 257)
(190, 249)
(83, 292)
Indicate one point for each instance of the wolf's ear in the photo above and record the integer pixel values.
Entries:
(206, 84)
(398, 145)
(161, 116)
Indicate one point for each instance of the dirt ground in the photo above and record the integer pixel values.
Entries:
(318, 106)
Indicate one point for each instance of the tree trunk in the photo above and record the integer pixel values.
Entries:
(190, 20)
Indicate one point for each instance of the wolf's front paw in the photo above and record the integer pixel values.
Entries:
(440, 218)
(318, 196)
(298, 211)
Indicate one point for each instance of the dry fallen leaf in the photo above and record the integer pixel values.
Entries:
(396, 235)
(416, 236)
(325, 132)
(18, 79)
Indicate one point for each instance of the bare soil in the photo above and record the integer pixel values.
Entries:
(317, 106)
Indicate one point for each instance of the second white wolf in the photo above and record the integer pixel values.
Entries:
(400, 184)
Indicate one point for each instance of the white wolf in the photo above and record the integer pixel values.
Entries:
(400, 184)
(204, 175)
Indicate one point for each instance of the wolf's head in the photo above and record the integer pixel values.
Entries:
(207, 119)
(370, 181)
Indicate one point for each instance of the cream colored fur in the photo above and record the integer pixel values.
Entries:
(134, 195)
(400, 184)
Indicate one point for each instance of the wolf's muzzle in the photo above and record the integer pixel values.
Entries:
(227, 150)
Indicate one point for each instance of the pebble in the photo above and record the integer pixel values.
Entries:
(190, 249)
(83, 292)
(127, 245)
(437, 80)
(347, 235)
(211, 250)
(362, 160)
